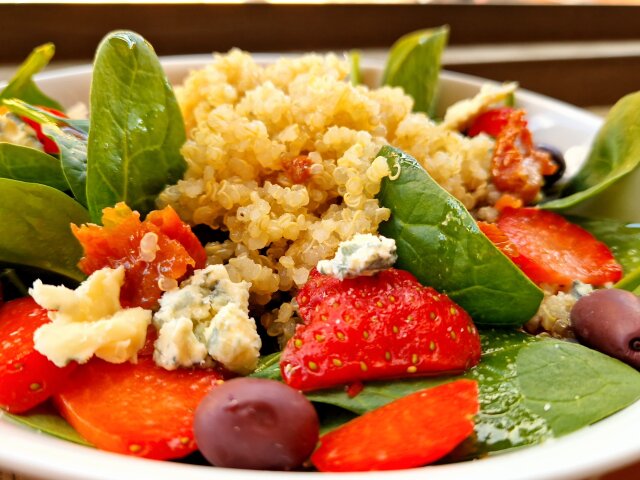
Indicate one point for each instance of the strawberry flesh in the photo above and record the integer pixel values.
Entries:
(550, 249)
(371, 328)
(409, 432)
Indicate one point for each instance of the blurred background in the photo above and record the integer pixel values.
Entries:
(586, 53)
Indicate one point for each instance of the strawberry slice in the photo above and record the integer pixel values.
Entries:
(409, 432)
(550, 249)
(136, 409)
(27, 378)
(368, 328)
(491, 122)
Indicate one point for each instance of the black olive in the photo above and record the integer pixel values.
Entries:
(257, 424)
(558, 159)
(608, 320)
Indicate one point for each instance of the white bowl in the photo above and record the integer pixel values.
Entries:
(611, 443)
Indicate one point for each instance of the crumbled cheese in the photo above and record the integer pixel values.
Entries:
(461, 113)
(364, 254)
(208, 316)
(89, 321)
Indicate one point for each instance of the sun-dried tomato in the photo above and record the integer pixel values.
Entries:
(517, 167)
(151, 265)
(297, 168)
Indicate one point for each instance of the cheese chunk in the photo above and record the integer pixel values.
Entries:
(89, 321)
(207, 318)
(364, 254)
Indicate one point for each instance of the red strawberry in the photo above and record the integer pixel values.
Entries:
(491, 122)
(550, 249)
(409, 432)
(27, 378)
(369, 328)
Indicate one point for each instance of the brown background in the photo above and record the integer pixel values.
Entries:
(183, 28)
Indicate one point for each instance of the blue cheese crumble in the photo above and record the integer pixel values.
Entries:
(207, 318)
(89, 321)
(364, 254)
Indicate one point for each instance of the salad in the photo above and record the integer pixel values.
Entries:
(285, 269)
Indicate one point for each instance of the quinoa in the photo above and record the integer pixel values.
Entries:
(283, 158)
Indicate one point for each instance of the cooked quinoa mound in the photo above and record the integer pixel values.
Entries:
(283, 158)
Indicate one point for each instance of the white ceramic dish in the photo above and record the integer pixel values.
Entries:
(611, 443)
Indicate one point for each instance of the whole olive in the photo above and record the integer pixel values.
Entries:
(608, 320)
(257, 424)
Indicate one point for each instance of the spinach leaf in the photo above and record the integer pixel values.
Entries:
(30, 165)
(40, 115)
(622, 238)
(355, 74)
(414, 65)
(45, 419)
(35, 223)
(136, 128)
(614, 154)
(73, 157)
(71, 138)
(439, 242)
(531, 389)
(268, 367)
(21, 85)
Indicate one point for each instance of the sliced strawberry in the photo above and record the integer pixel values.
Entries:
(490, 122)
(27, 378)
(409, 432)
(137, 409)
(549, 249)
(367, 328)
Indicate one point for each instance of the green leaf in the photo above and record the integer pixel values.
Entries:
(45, 419)
(414, 65)
(36, 229)
(439, 242)
(355, 74)
(30, 165)
(71, 138)
(136, 128)
(73, 157)
(21, 86)
(24, 109)
(614, 154)
(531, 389)
(268, 367)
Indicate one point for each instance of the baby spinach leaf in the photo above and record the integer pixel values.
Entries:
(440, 243)
(136, 129)
(45, 419)
(21, 85)
(30, 165)
(35, 223)
(40, 115)
(414, 65)
(355, 74)
(614, 154)
(71, 138)
(268, 367)
(531, 389)
(73, 157)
